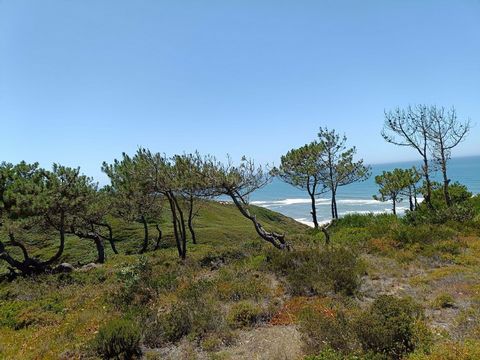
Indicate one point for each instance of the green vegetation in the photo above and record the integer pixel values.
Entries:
(350, 297)
(118, 339)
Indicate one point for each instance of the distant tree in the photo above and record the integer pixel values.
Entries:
(19, 187)
(164, 177)
(189, 171)
(40, 200)
(445, 132)
(392, 184)
(66, 205)
(339, 168)
(412, 177)
(411, 127)
(238, 183)
(303, 169)
(133, 189)
(99, 210)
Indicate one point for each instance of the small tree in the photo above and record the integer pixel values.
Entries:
(67, 204)
(391, 183)
(165, 181)
(36, 199)
(133, 189)
(411, 128)
(239, 182)
(339, 168)
(445, 132)
(412, 177)
(19, 187)
(303, 169)
(190, 173)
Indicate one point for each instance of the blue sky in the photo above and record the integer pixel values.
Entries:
(82, 81)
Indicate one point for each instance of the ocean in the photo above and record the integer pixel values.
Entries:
(357, 198)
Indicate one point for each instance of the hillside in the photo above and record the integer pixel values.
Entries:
(237, 297)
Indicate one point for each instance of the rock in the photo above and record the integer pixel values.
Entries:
(64, 268)
(89, 267)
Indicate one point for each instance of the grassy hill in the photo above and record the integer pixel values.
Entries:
(236, 297)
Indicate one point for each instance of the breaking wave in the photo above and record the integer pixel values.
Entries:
(320, 202)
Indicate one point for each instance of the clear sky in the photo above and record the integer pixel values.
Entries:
(83, 80)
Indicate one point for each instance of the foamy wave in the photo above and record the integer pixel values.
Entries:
(281, 202)
(319, 202)
(358, 201)
(310, 223)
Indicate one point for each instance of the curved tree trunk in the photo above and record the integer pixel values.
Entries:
(313, 204)
(29, 265)
(176, 228)
(277, 240)
(181, 221)
(97, 239)
(61, 247)
(100, 248)
(110, 236)
(190, 220)
(159, 238)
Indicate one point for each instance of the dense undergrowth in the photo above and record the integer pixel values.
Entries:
(385, 288)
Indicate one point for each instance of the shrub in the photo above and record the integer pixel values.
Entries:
(463, 208)
(244, 314)
(118, 339)
(196, 314)
(327, 329)
(423, 234)
(389, 326)
(137, 284)
(240, 284)
(315, 271)
(443, 301)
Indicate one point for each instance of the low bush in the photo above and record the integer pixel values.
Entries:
(240, 284)
(327, 330)
(118, 339)
(406, 234)
(315, 271)
(244, 314)
(137, 287)
(196, 315)
(389, 327)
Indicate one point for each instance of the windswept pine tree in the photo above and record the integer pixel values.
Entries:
(304, 169)
(339, 167)
(132, 189)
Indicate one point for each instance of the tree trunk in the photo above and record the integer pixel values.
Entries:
(159, 238)
(415, 197)
(410, 199)
(334, 205)
(110, 236)
(145, 231)
(178, 237)
(394, 205)
(446, 181)
(324, 229)
(100, 248)
(277, 240)
(183, 232)
(61, 247)
(190, 220)
(428, 183)
(313, 204)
